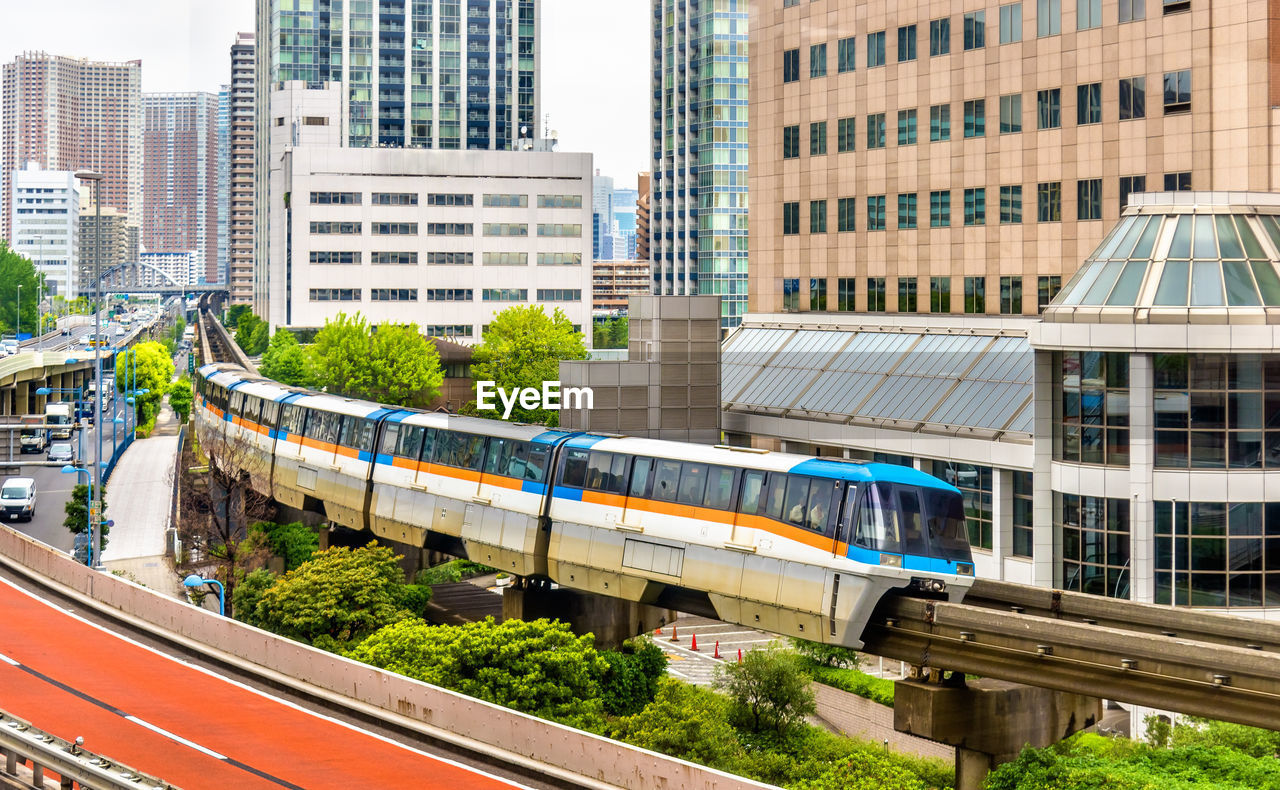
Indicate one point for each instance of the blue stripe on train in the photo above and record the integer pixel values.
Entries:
(561, 492)
(530, 487)
(911, 562)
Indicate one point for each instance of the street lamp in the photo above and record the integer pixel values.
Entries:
(17, 317)
(97, 179)
(196, 580)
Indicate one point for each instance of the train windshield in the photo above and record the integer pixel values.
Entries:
(948, 534)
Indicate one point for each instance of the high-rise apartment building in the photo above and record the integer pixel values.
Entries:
(73, 114)
(262, 76)
(240, 171)
(698, 203)
(46, 228)
(223, 169)
(119, 243)
(180, 169)
(911, 157)
(642, 217)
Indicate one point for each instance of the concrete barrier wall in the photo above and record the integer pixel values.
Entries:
(502, 731)
(861, 718)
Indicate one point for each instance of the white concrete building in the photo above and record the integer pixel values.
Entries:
(173, 268)
(442, 238)
(46, 225)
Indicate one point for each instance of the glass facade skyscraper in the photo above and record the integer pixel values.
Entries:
(417, 73)
(699, 198)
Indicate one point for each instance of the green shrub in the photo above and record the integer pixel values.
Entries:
(294, 542)
(631, 681)
(769, 689)
(687, 722)
(244, 601)
(451, 572)
(827, 655)
(853, 681)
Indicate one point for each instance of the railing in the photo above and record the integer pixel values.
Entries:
(20, 742)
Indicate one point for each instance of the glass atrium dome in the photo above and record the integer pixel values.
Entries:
(1182, 257)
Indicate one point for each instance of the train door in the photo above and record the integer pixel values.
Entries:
(642, 472)
(848, 511)
(750, 503)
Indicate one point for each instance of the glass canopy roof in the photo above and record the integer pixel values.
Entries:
(1211, 257)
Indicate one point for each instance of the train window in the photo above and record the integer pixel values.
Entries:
(364, 435)
(640, 477)
(777, 488)
(292, 422)
(948, 536)
(517, 458)
(270, 413)
(409, 444)
(752, 486)
(598, 465)
(575, 468)
(428, 444)
(445, 447)
(912, 522)
(693, 484)
(877, 522)
(496, 455)
(818, 516)
(252, 409)
(797, 497)
(467, 451)
(535, 468)
(719, 489)
(237, 403)
(323, 426)
(666, 480)
(390, 438)
(619, 473)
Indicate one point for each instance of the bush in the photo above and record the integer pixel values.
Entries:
(294, 543)
(687, 722)
(451, 572)
(853, 681)
(631, 681)
(827, 655)
(769, 689)
(244, 601)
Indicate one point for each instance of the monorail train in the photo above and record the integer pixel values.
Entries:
(789, 544)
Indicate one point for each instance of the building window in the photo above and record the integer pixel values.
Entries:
(506, 229)
(791, 65)
(335, 294)
(906, 43)
(1089, 199)
(1088, 14)
(791, 142)
(875, 49)
(450, 199)
(1132, 10)
(817, 60)
(1011, 204)
(817, 294)
(340, 228)
(974, 483)
(1049, 108)
(940, 122)
(507, 258)
(817, 216)
(1011, 113)
(939, 294)
(449, 294)
(875, 212)
(1048, 17)
(906, 127)
(394, 258)
(1177, 182)
(510, 201)
(1174, 6)
(1049, 202)
(1010, 23)
(1212, 553)
(1133, 98)
(1177, 92)
(817, 138)
(393, 294)
(790, 294)
(1095, 544)
(1215, 411)
(844, 214)
(1011, 296)
(1091, 412)
(906, 294)
(505, 294)
(907, 211)
(395, 199)
(975, 206)
(975, 118)
(562, 231)
(393, 228)
(940, 37)
(875, 295)
(975, 30)
(450, 258)
(875, 130)
(1089, 103)
(846, 54)
(845, 140)
(940, 209)
(1023, 511)
(791, 218)
(554, 258)
(335, 199)
(555, 201)
(975, 294)
(844, 294)
(447, 330)
(327, 257)
(450, 229)
(559, 294)
(1047, 287)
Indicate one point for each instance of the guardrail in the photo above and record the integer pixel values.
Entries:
(19, 741)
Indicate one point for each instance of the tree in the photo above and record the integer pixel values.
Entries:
(154, 371)
(522, 349)
(17, 272)
(631, 681)
(249, 592)
(684, 721)
(233, 314)
(610, 333)
(286, 361)
(252, 334)
(294, 542)
(340, 596)
(769, 689)
(181, 397)
(539, 667)
(77, 510)
(390, 364)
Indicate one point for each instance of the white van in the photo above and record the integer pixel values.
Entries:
(18, 498)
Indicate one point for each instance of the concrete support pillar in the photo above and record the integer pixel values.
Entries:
(22, 398)
(1001, 517)
(1045, 541)
(611, 620)
(1142, 516)
(989, 721)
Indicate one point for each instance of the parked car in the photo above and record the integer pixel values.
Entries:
(62, 451)
(18, 498)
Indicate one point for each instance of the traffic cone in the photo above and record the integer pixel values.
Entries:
(717, 653)
(675, 637)
(657, 631)
(739, 655)
(695, 641)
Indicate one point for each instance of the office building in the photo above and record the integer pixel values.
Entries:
(601, 217)
(120, 240)
(920, 158)
(698, 203)
(642, 218)
(46, 228)
(240, 171)
(180, 167)
(167, 269)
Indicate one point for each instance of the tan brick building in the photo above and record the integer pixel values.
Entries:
(931, 156)
(241, 220)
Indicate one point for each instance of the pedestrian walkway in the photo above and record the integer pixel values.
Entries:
(140, 503)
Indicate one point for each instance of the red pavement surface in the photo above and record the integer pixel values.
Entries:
(75, 679)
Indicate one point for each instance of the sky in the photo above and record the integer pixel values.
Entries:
(595, 58)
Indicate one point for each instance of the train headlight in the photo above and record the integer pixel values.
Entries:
(892, 560)
(964, 569)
